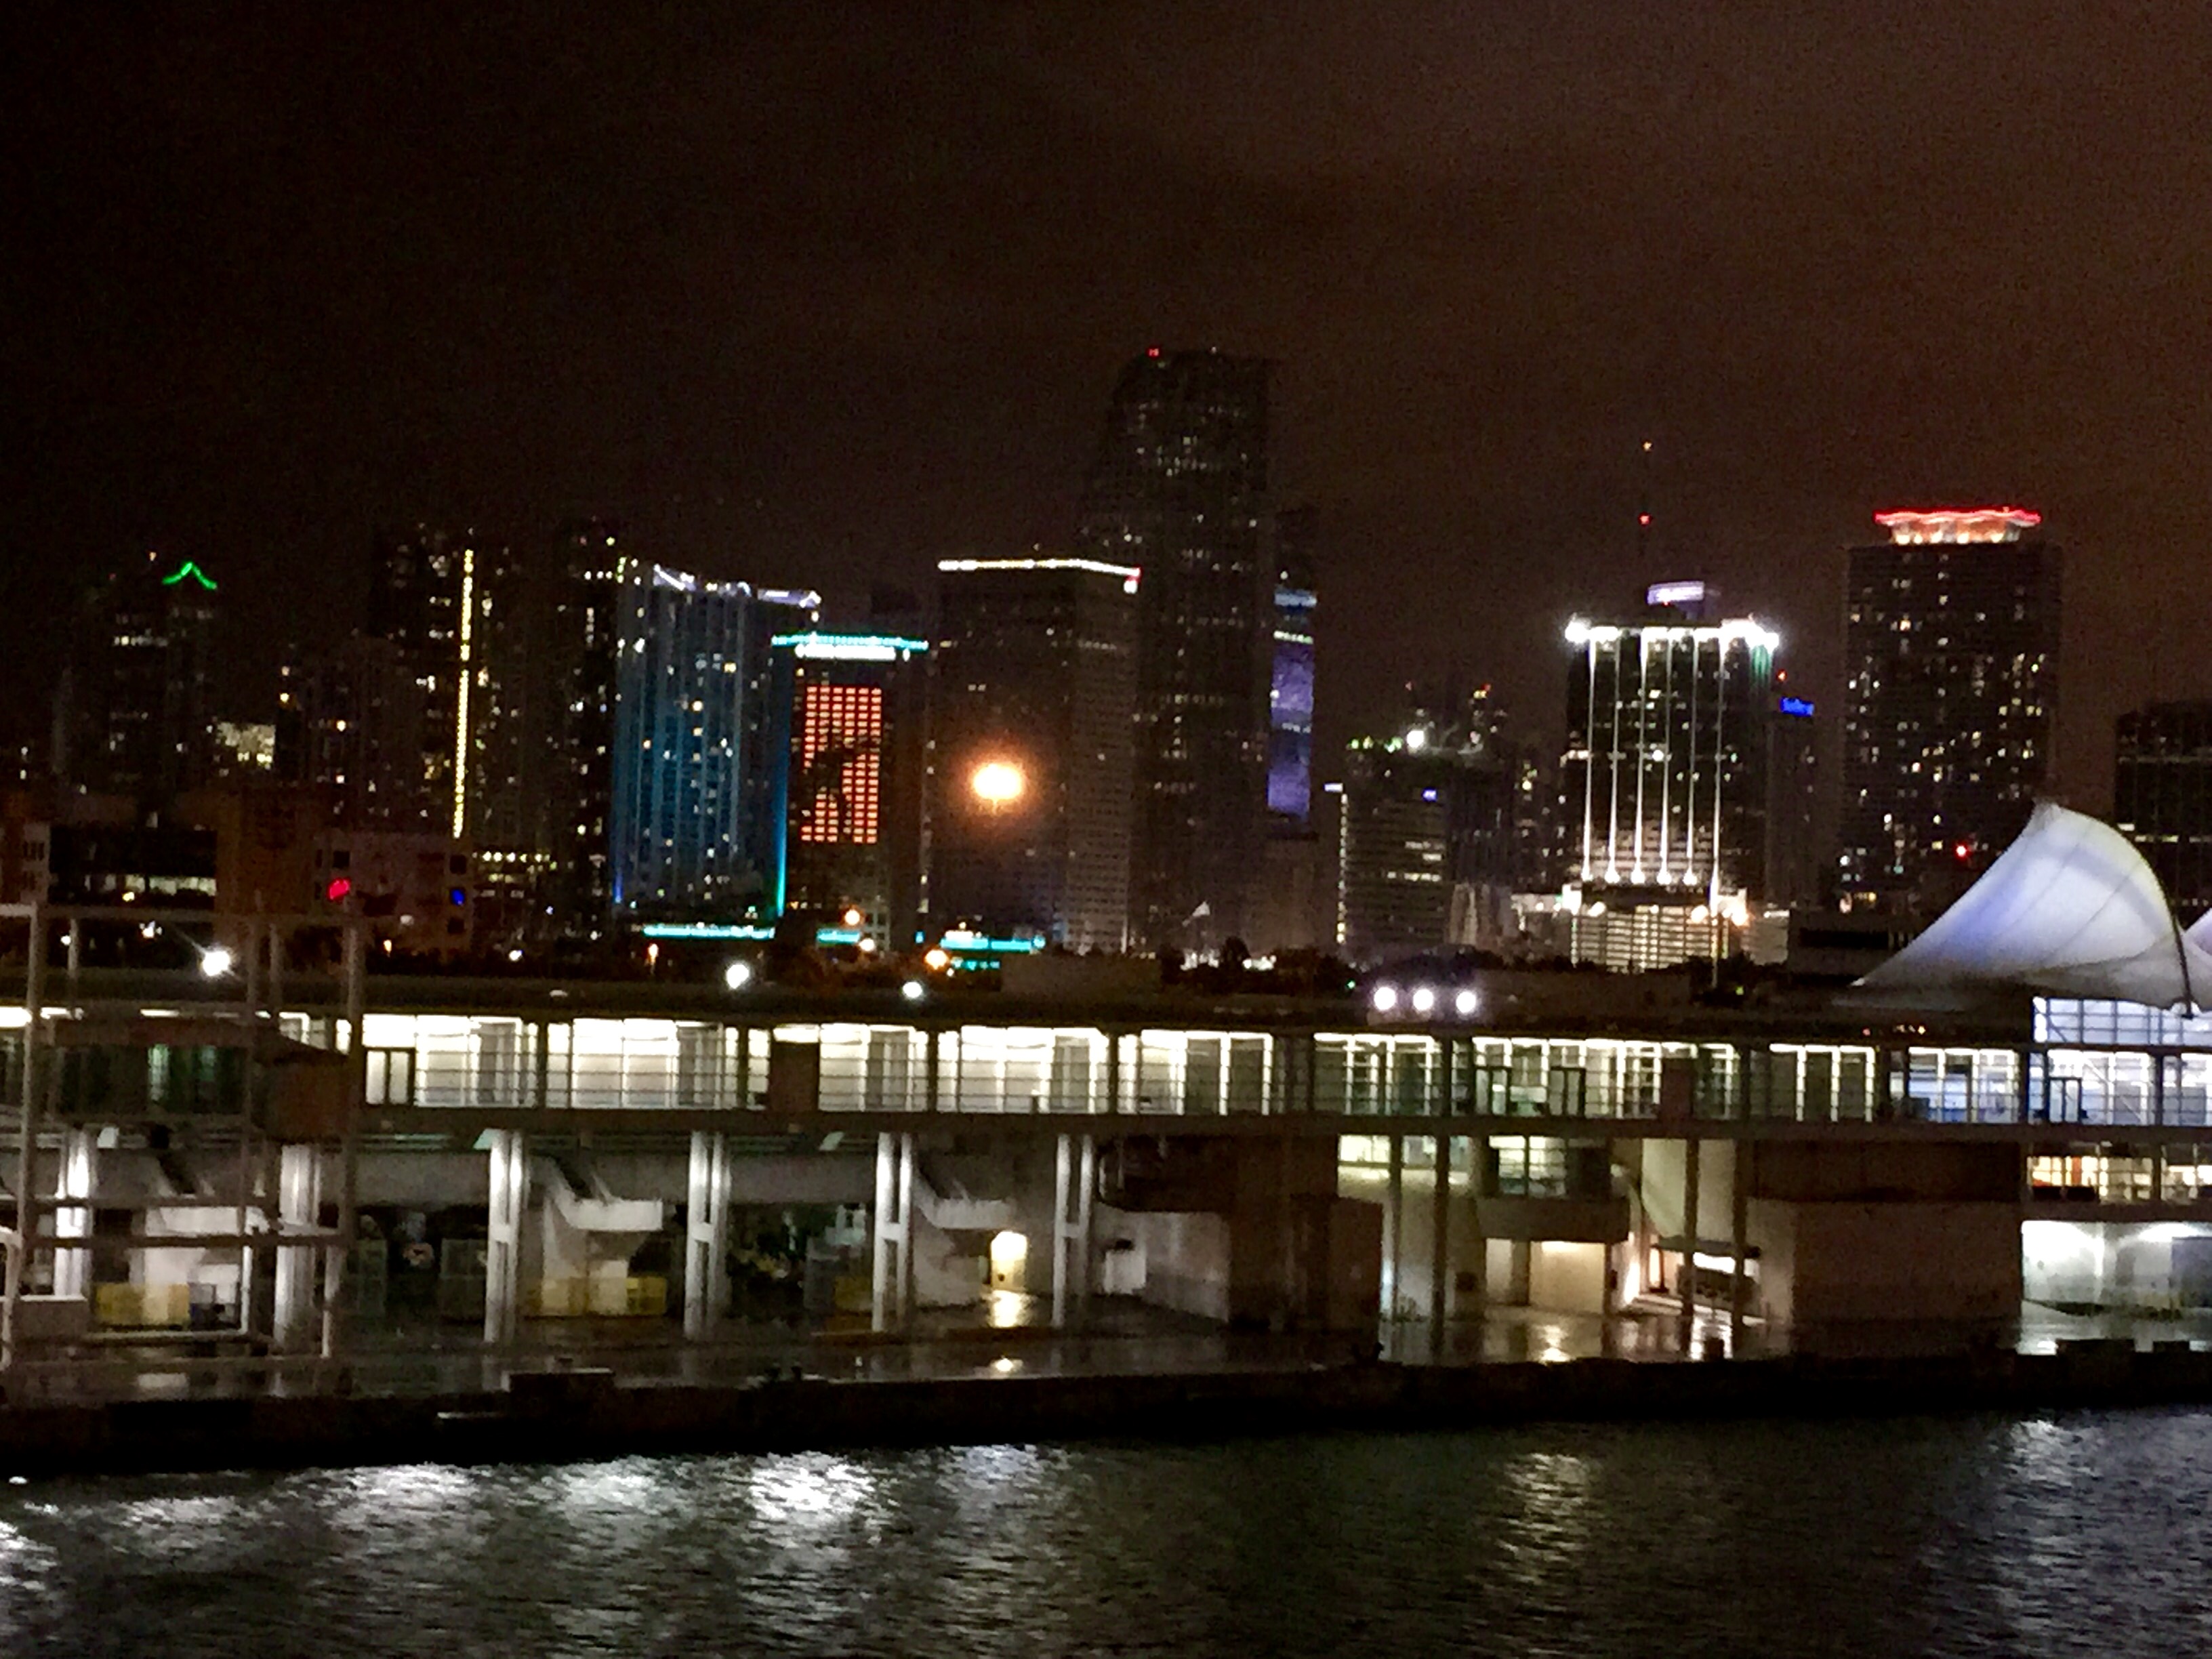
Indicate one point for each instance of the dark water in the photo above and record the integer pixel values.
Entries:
(2086, 1534)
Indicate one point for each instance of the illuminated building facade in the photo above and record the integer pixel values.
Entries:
(1032, 753)
(1291, 691)
(2162, 797)
(1664, 781)
(454, 610)
(695, 825)
(1180, 490)
(586, 631)
(134, 719)
(1951, 663)
(853, 832)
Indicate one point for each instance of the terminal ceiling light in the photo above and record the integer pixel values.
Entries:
(1385, 999)
(911, 990)
(1425, 1001)
(737, 975)
(1465, 1004)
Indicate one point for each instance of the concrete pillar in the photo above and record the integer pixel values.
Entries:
(906, 1218)
(1687, 1286)
(510, 1203)
(892, 1277)
(348, 1173)
(299, 1209)
(1075, 1175)
(26, 1227)
(73, 1268)
(1739, 1224)
(707, 1235)
(1478, 1161)
(1394, 1205)
(1440, 1248)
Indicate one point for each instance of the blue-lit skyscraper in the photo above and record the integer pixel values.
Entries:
(695, 825)
(1291, 689)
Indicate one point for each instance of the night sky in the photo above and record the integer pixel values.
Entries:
(818, 294)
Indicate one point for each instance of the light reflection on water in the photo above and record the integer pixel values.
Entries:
(1969, 1536)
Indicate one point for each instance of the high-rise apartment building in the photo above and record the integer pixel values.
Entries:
(454, 608)
(1031, 754)
(1951, 664)
(696, 822)
(352, 721)
(1180, 489)
(854, 836)
(2162, 797)
(584, 665)
(1664, 781)
(134, 717)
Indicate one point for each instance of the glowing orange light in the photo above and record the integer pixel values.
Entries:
(997, 783)
(937, 958)
(1958, 523)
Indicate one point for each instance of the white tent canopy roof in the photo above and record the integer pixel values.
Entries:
(2069, 909)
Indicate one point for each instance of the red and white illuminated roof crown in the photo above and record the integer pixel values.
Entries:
(1958, 523)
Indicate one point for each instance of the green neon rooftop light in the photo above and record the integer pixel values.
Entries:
(192, 570)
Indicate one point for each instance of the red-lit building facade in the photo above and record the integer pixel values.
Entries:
(852, 836)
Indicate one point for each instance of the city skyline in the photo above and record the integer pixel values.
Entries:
(782, 338)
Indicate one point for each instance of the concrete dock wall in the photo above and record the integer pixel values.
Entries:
(580, 1415)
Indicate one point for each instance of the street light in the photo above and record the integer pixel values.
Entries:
(998, 784)
(737, 975)
(214, 962)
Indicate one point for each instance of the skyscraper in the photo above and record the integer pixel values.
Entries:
(1291, 689)
(134, 717)
(1427, 849)
(454, 610)
(1180, 490)
(352, 722)
(853, 838)
(1030, 750)
(585, 666)
(1663, 780)
(695, 825)
(1951, 663)
(2162, 796)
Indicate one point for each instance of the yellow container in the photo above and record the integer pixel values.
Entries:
(558, 1298)
(142, 1307)
(116, 1304)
